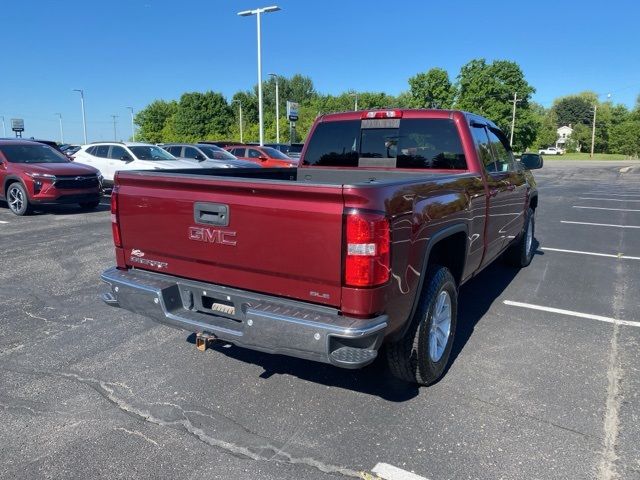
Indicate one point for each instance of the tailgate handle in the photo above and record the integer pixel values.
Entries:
(211, 214)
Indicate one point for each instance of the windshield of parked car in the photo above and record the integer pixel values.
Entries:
(151, 152)
(273, 153)
(32, 154)
(216, 153)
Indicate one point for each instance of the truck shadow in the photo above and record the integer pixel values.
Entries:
(475, 300)
(476, 297)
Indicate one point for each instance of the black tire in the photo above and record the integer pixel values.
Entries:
(520, 254)
(410, 358)
(89, 205)
(17, 199)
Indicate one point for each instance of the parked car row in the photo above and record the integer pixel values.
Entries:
(36, 172)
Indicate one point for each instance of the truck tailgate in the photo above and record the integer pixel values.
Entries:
(276, 237)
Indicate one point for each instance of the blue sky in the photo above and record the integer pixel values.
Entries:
(130, 52)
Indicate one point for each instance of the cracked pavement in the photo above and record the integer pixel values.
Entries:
(88, 391)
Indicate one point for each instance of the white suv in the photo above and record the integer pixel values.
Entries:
(109, 157)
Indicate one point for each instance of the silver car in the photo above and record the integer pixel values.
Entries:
(206, 156)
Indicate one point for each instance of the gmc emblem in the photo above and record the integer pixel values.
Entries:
(212, 235)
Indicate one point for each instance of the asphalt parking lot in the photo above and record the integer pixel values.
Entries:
(544, 382)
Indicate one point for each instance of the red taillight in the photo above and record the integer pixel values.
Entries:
(115, 226)
(382, 114)
(367, 261)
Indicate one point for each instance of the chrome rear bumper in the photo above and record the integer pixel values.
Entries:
(247, 319)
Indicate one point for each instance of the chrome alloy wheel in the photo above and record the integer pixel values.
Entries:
(529, 236)
(16, 199)
(440, 326)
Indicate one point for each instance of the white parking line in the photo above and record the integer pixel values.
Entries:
(605, 208)
(610, 255)
(2, 221)
(571, 313)
(600, 224)
(610, 199)
(614, 194)
(389, 472)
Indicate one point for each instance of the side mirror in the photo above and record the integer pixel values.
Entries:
(532, 162)
(126, 158)
(263, 158)
(199, 157)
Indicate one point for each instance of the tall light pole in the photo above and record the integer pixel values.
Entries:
(115, 134)
(277, 108)
(61, 129)
(84, 117)
(257, 12)
(240, 117)
(4, 128)
(355, 107)
(133, 128)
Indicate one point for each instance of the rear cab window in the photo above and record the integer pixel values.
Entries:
(410, 143)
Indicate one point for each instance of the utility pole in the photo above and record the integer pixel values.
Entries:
(513, 116)
(4, 128)
(277, 108)
(61, 130)
(115, 134)
(593, 129)
(133, 128)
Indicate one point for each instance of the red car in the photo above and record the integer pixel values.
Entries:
(266, 157)
(34, 174)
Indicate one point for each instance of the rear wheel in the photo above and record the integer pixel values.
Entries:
(90, 205)
(18, 200)
(422, 354)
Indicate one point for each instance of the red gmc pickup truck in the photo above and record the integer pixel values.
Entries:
(363, 245)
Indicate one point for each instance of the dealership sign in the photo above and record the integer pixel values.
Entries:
(17, 124)
(292, 111)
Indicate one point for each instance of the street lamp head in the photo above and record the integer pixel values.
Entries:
(246, 13)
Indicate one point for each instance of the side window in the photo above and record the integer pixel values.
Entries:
(102, 151)
(253, 153)
(483, 148)
(504, 159)
(238, 152)
(190, 152)
(91, 150)
(117, 152)
(174, 150)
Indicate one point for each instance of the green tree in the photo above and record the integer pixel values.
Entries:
(432, 89)
(575, 109)
(202, 116)
(488, 89)
(625, 138)
(152, 119)
(547, 126)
